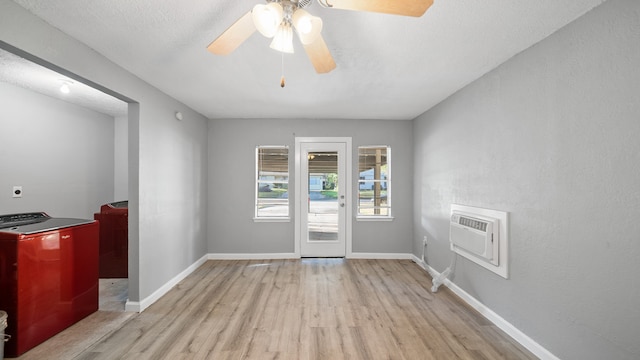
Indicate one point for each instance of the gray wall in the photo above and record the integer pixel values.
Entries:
(232, 146)
(167, 158)
(551, 136)
(121, 159)
(61, 154)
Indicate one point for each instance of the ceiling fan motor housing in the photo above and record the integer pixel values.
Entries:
(295, 3)
(303, 3)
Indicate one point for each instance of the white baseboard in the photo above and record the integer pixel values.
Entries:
(490, 315)
(271, 256)
(381, 256)
(149, 300)
(267, 256)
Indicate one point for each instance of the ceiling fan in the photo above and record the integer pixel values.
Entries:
(279, 18)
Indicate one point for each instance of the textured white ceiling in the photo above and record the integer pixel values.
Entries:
(388, 67)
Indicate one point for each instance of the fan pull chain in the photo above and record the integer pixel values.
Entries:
(282, 70)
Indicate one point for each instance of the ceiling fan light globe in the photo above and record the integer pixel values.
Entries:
(304, 24)
(266, 18)
(283, 40)
(307, 26)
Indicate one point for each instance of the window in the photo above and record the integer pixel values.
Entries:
(374, 182)
(272, 182)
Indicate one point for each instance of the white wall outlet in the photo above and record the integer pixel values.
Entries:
(17, 191)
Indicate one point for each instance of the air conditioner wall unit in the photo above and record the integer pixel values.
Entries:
(482, 236)
(476, 236)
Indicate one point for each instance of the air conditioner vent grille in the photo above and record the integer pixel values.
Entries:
(473, 223)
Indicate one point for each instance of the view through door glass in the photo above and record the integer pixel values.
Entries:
(322, 215)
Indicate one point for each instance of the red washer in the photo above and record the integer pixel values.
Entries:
(48, 276)
(114, 240)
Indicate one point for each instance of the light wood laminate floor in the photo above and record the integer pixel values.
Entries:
(292, 309)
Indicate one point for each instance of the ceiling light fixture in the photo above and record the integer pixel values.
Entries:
(266, 18)
(307, 26)
(64, 88)
(283, 40)
(278, 18)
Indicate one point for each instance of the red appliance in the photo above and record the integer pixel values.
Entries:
(114, 239)
(48, 276)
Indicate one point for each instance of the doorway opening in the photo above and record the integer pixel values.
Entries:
(41, 77)
(323, 171)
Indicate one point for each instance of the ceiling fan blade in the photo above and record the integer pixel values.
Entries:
(235, 35)
(320, 56)
(397, 7)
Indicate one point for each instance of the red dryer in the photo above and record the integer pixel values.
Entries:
(114, 239)
(48, 276)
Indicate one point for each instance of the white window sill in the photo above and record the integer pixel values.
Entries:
(272, 219)
(374, 218)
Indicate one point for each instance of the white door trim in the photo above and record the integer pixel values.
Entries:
(348, 189)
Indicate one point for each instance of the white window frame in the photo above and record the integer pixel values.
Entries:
(257, 182)
(374, 217)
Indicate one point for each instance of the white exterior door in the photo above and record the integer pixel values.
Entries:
(323, 188)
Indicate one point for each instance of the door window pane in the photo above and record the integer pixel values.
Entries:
(322, 217)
